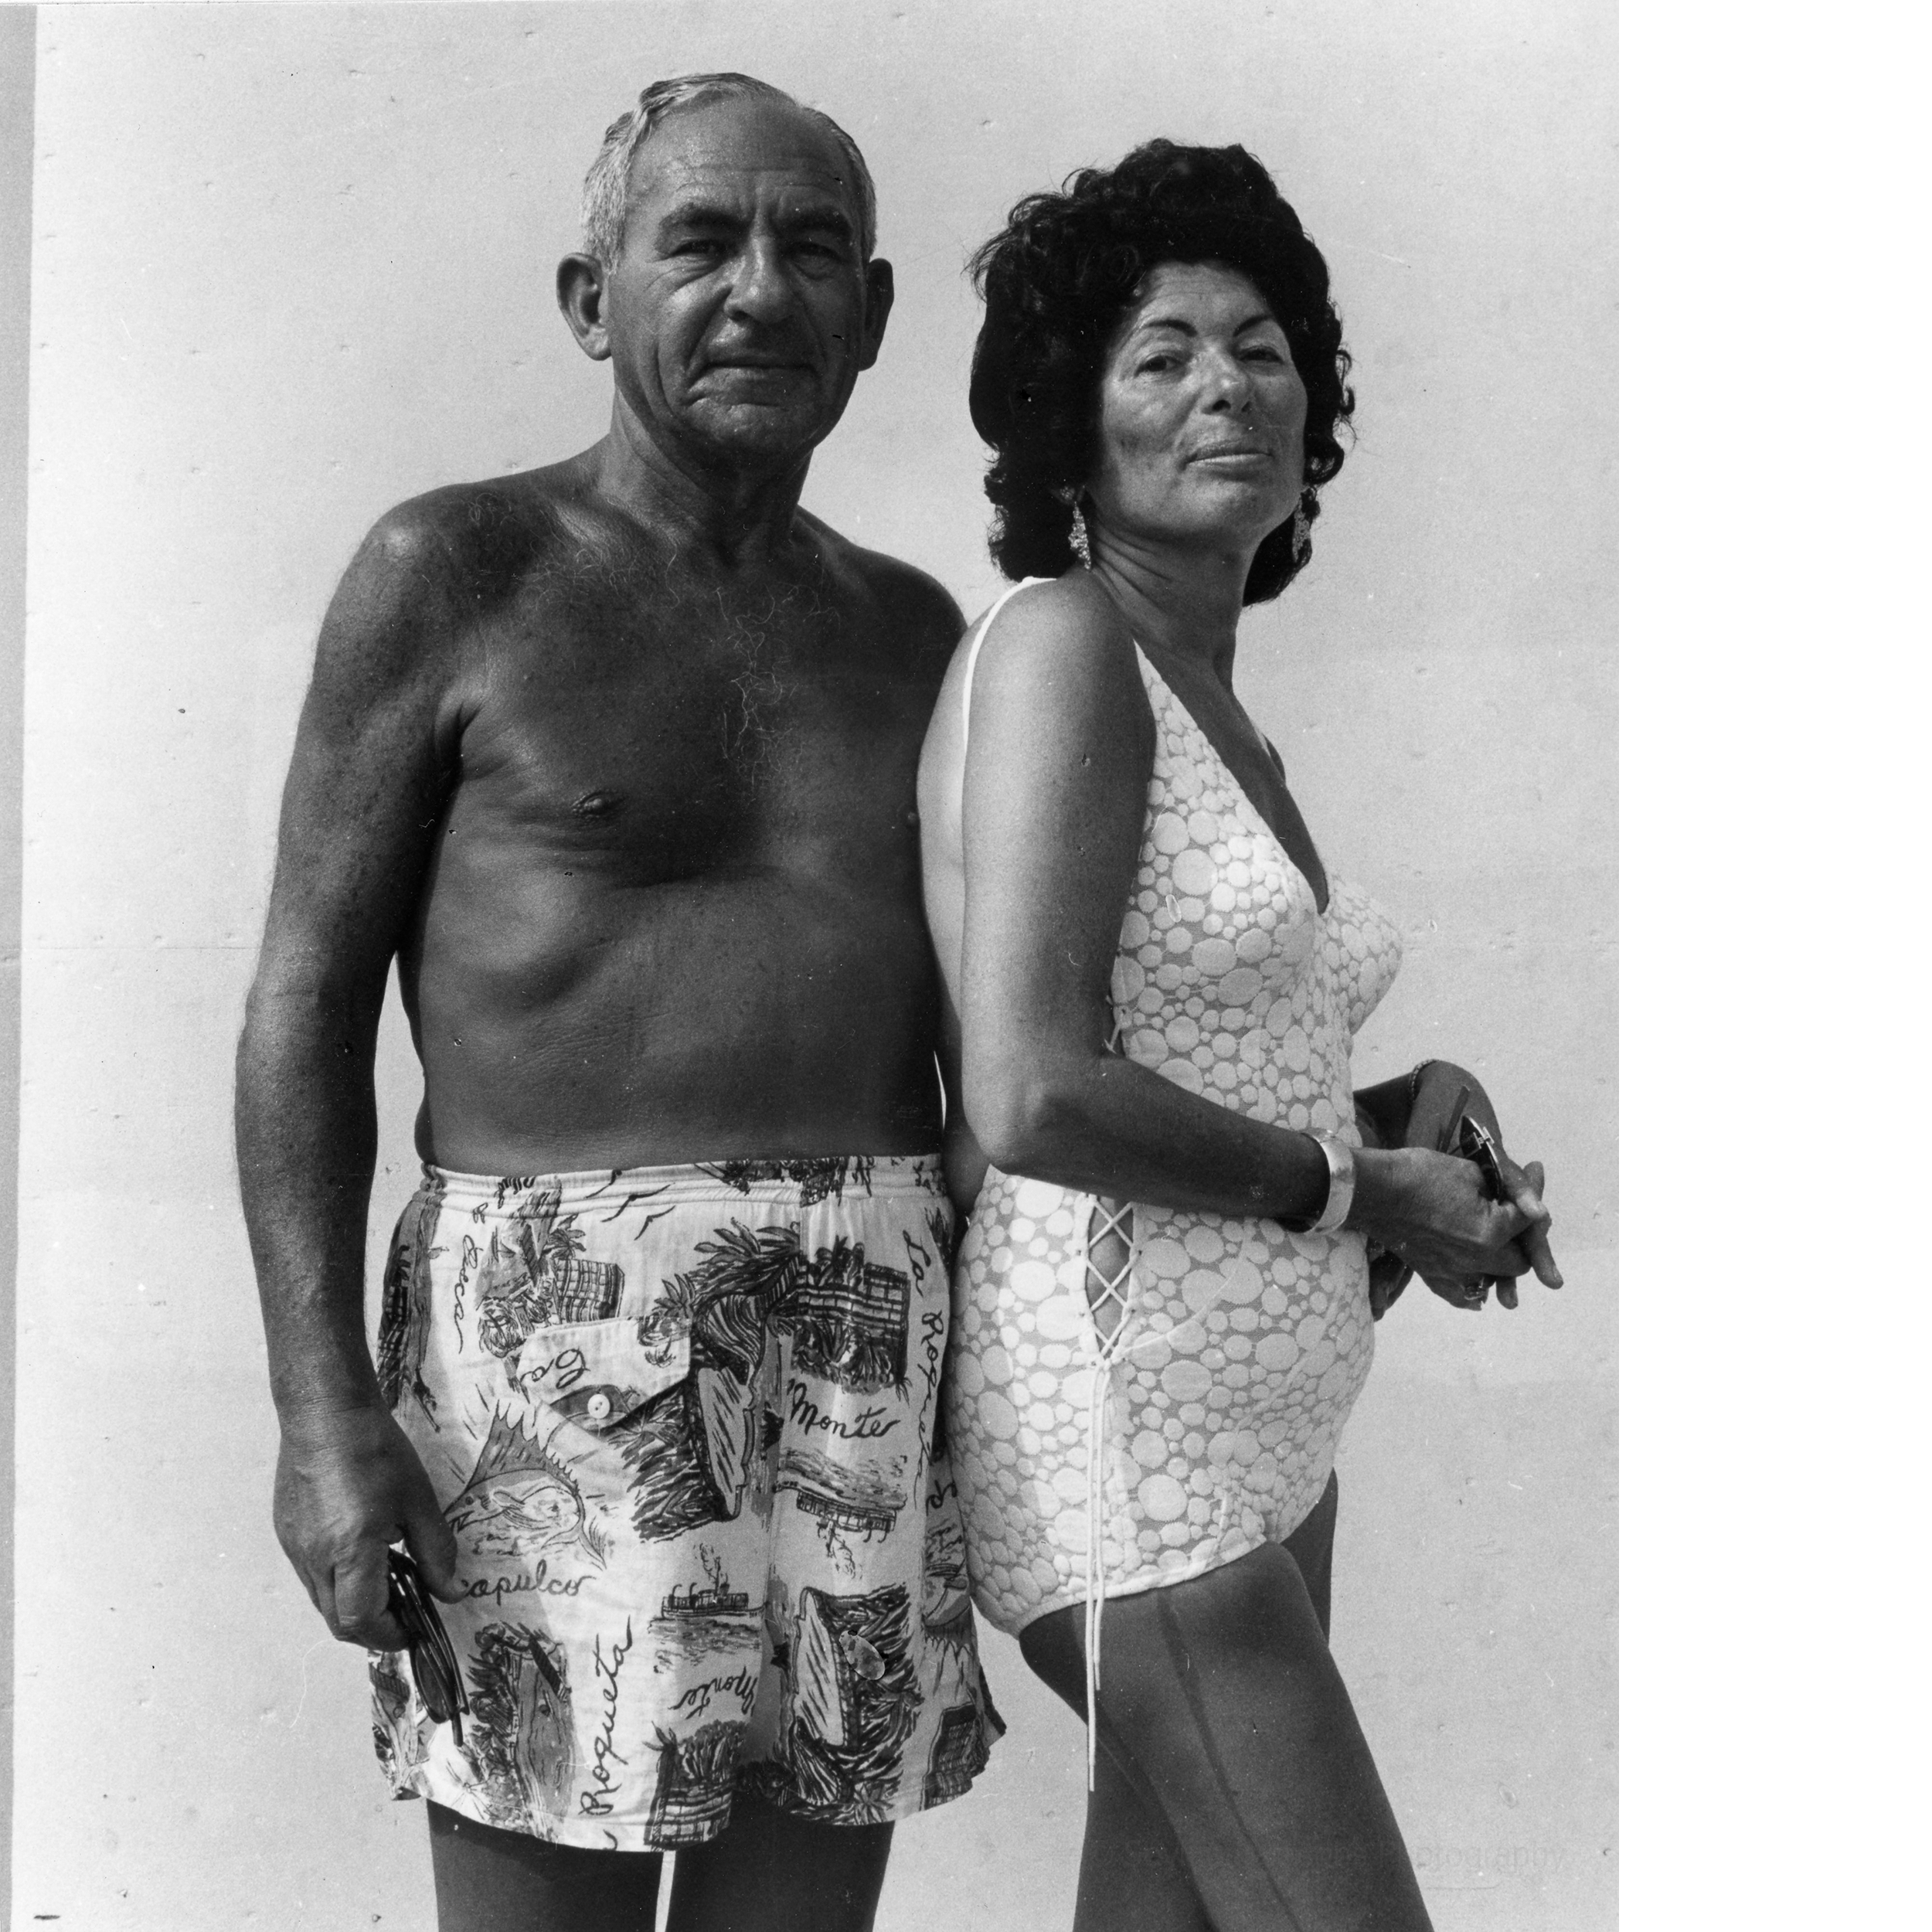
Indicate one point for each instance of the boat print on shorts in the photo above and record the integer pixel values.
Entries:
(521, 1502)
(697, 1451)
(519, 1737)
(403, 1336)
(534, 1275)
(850, 1702)
(817, 1177)
(715, 1626)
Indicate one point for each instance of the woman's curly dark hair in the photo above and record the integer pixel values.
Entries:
(1056, 280)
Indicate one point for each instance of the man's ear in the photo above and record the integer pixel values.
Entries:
(878, 305)
(579, 294)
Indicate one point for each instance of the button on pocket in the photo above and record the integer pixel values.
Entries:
(596, 1374)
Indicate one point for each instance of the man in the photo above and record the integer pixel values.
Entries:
(616, 759)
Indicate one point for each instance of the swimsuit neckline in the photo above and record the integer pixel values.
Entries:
(1248, 804)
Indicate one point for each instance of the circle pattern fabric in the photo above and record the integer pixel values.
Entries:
(1244, 1346)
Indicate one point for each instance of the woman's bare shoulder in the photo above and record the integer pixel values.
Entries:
(1059, 642)
(1070, 614)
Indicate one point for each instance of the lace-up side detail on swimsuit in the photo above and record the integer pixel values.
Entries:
(1096, 1461)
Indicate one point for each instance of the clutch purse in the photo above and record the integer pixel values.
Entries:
(1389, 1275)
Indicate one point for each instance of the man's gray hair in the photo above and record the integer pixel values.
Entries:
(606, 188)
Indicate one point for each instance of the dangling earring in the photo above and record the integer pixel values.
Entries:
(1298, 540)
(1077, 538)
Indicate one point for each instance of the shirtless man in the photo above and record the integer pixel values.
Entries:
(617, 760)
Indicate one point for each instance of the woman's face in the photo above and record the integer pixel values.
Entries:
(1201, 413)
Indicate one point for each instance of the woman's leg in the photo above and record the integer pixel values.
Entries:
(488, 1880)
(1311, 1544)
(1224, 1713)
(1133, 1877)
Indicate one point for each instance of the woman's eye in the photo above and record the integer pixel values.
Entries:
(1153, 365)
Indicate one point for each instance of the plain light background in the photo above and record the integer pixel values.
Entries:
(292, 264)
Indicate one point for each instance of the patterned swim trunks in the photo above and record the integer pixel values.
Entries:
(682, 1421)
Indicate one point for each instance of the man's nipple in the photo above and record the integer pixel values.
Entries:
(594, 807)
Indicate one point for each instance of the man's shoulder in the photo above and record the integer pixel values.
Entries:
(917, 606)
(427, 572)
(470, 540)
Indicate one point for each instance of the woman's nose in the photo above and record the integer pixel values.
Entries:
(1227, 388)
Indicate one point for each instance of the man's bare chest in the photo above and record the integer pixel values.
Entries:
(659, 751)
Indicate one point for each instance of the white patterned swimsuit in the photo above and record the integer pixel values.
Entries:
(1226, 1385)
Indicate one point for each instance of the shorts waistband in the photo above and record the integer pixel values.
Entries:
(803, 1181)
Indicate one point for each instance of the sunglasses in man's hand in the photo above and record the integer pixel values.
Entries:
(432, 1662)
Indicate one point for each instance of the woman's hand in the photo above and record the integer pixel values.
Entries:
(1434, 1210)
(1431, 1123)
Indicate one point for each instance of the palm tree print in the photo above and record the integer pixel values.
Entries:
(846, 1317)
(534, 1275)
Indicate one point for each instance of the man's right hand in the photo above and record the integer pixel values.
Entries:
(347, 1485)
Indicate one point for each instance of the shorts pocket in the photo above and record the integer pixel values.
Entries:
(598, 1374)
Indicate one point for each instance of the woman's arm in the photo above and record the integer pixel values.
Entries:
(1060, 751)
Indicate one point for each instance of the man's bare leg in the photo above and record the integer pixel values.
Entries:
(493, 1881)
(769, 1871)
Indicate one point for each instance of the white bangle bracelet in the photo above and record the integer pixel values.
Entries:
(1340, 1157)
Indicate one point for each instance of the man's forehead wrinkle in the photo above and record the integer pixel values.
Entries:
(732, 195)
(724, 158)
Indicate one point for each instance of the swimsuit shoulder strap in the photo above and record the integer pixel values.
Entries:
(973, 643)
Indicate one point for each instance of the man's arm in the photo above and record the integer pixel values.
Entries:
(373, 757)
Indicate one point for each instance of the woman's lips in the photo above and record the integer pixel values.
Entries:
(1230, 452)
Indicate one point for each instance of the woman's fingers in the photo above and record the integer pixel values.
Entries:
(1526, 1196)
(1523, 1190)
(1535, 1245)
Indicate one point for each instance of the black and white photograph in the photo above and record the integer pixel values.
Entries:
(818, 962)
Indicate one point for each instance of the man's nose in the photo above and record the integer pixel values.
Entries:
(760, 291)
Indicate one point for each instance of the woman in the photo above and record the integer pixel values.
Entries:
(1162, 1301)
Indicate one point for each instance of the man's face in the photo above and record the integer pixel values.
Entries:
(739, 312)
